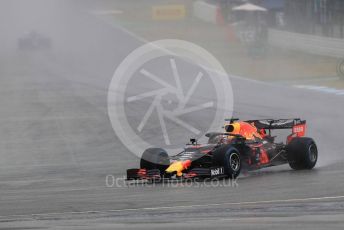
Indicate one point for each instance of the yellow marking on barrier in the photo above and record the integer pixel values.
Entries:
(168, 12)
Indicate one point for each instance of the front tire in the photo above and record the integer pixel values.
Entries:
(229, 158)
(302, 153)
(155, 158)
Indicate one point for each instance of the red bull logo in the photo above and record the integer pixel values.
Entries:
(244, 129)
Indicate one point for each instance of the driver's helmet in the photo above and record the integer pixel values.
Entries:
(245, 129)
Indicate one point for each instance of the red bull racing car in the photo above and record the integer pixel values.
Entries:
(247, 145)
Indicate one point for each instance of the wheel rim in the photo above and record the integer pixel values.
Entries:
(234, 161)
(313, 153)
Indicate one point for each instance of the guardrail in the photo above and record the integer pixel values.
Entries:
(332, 47)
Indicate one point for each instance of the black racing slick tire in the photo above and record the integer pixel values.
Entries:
(229, 158)
(155, 158)
(302, 153)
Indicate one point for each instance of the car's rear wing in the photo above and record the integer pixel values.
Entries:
(297, 126)
(277, 123)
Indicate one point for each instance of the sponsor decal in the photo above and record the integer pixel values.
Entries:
(275, 123)
(300, 130)
(217, 171)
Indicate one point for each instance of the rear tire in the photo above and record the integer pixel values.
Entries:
(302, 153)
(155, 158)
(229, 158)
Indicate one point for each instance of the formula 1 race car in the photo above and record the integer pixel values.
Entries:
(243, 144)
(34, 41)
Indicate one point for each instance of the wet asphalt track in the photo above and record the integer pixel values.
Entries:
(57, 146)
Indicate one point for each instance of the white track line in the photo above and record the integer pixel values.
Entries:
(33, 216)
(322, 89)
